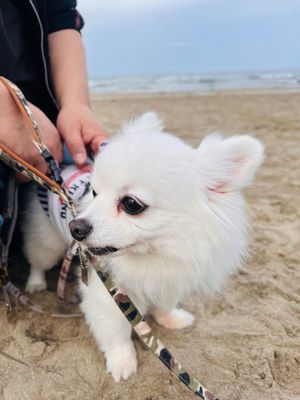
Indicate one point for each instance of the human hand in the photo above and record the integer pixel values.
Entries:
(78, 127)
(16, 135)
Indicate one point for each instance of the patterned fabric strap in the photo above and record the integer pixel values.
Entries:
(145, 334)
(21, 166)
(63, 275)
(26, 301)
(23, 106)
(55, 184)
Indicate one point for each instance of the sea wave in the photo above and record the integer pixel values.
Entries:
(197, 82)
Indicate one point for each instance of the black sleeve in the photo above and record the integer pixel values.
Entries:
(62, 14)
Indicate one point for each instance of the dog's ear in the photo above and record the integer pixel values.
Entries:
(229, 164)
(147, 122)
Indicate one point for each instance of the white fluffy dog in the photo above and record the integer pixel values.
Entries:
(167, 219)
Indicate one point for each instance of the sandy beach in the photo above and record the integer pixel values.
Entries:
(245, 343)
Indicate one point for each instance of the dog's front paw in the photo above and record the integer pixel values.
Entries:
(175, 319)
(121, 362)
(36, 282)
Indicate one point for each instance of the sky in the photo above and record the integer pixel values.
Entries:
(138, 37)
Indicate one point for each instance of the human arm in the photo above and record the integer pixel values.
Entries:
(76, 122)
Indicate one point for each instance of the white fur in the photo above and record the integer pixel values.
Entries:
(192, 236)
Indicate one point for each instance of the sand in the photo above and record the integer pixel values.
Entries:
(245, 343)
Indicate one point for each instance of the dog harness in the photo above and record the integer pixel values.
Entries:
(77, 185)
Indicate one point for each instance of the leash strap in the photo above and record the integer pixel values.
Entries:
(22, 104)
(9, 215)
(26, 301)
(139, 325)
(71, 251)
(145, 334)
(55, 185)
(18, 164)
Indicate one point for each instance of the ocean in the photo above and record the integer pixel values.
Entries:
(197, 82)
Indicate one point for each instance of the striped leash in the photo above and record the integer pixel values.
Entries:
(55, 185)
(145, 334)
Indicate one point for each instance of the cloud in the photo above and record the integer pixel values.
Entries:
(106, 11)
(140, 5)
(132, 5)
(258, 7)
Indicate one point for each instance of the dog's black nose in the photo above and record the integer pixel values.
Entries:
(80, 228)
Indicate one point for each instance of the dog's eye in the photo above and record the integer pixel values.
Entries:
(94, 193)
(132, 206)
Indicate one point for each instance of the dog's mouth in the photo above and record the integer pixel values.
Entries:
(101, 251)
